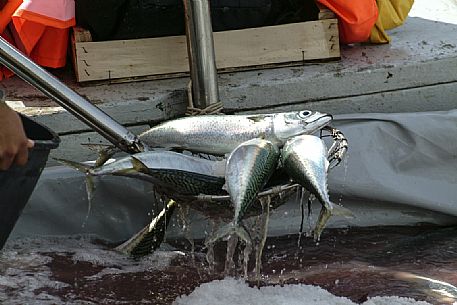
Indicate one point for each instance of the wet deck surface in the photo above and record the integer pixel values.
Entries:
(418, 262)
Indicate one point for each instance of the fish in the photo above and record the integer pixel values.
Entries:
(170, 172)
(248, 169)
(184, 174)
(221, 134)
(305, 159)
(148, 239)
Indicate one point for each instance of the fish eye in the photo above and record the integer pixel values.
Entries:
(304, 114)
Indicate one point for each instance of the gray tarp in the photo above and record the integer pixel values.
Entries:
(401, 169)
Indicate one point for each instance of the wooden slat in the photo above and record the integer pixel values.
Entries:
(240, 49)
(324, 12)
(276, 44)
(81, 35)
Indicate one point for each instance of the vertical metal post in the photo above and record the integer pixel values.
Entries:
(200, 48)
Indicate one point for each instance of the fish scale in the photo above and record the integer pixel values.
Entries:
(187, 183)
(260, 171)
(308, 178)
(248, 168)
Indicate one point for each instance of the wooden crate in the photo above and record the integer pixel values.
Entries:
(238, 50)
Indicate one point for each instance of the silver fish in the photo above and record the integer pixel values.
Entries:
(168, 171)
(305, 160)
(221, 134)
(148, 239)
(248, 169)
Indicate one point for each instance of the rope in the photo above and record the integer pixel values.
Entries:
(215, 108)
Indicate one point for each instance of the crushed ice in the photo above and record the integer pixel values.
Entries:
(231, 291)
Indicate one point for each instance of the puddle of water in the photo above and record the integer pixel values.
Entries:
(357, 263)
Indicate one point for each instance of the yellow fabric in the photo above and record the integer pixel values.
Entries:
(392, 13)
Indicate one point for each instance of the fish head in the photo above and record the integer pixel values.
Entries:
(291, 124)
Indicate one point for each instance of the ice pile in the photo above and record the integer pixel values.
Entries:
(231, 291)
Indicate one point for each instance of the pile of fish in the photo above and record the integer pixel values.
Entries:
(246, 152)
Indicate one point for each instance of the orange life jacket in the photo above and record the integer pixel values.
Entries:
(356, 18)
(41, 30)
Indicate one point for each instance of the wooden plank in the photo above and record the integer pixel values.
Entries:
(324, 12)
(276, 44)
(81, 35)
(246, 48)
(131, 58)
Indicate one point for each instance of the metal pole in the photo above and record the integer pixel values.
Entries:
(200, 47)
(68, 99)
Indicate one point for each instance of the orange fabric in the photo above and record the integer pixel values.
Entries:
(29, 33)
(356, 18)
(62, 10)
(6, 12)
(49, 21)
(52, 49)
(42, 29)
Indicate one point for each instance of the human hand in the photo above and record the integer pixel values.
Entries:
(14, 144)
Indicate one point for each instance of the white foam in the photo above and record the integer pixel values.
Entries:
(24, 272)
(231, 291)
(23, 268)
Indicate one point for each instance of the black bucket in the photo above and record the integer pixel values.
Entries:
(17, 183)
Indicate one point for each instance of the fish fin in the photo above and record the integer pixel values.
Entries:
(341, 211)
(81, 167)
(139, 166)
(104, 151)
(321, 222)
(325, 215)
(228, 230)
(257, 118)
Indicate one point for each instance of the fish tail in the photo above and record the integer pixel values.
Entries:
(148, 239)
(327, 211)
(90, 185)
(230, 229)
(341, 211)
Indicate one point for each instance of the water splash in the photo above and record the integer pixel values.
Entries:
(345, 175)
(232, 242)
(210, 258)
(90, 190)
(265, 217)
(184, 212)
